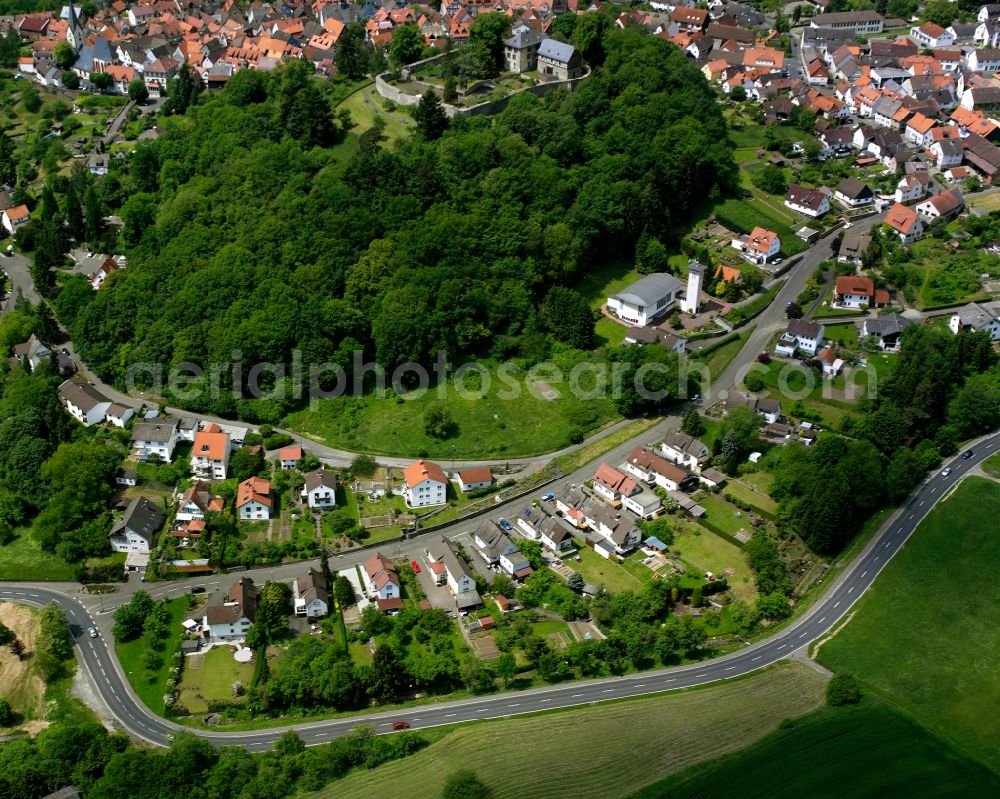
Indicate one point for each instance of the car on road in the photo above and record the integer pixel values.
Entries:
(505, 525)
(946, 472)
(198, 589)
(416, 567)
(776, 262)
(401, 725)
(548, 497)
(92, 632)
(967, 454)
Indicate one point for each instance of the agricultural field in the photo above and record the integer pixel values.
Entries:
(541, 756)
(848, 753)
(938, 670)
(487, 425)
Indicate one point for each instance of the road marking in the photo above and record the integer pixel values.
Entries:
(324, 734)
(574, 696)
(449, 715)
(699, 676)
(864, 572)
(516, 704)
(641, 685)
(544, 700)
(803, 635)
(850, 589)
(758, 658)
(607, 690)
(482, 710)
(886, 545)
(670, 680)
(836, 606)
(912, 515)
(731, 668)
(822, 620)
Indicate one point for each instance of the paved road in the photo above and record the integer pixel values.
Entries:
(836, 602)
(18, 269)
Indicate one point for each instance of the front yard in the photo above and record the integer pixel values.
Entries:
(210, 677)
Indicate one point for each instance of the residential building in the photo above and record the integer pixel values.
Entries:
(943, 205)
(809, 202)
(198, 502)
(947, 153)
(644, 504)
(158, 74)
(885, 329)
(911, 187)
(855, 291)
(424, 485)
(646, 465)
(227, 619)
(986, 59)
(84, 402)
(15, 218)
(976, 318)
(135, 530)
(655, 335)
(830, 363)
(905, 222)
(210, 453)
(648, 299)
(118, 415)
(758, 247)
(311, 595)
(931, 36)
(155, 439)
(475, 478)
(33, 352)
(320, 490)
(853, 193)
(853, 247)
(253, 499)
(382, 578)
(520, 51)
(558, 61)
(801, 334)
(619, 532)
(289, 457)
(554, 536)
(449, 569)
(685, 450)
(982, 155)
(612, 485)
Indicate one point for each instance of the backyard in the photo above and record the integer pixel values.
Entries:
(601, 572)
(938, 670)
(704, 551)
(938, 276)
(150, 686)
(515, 756)
(210, 677)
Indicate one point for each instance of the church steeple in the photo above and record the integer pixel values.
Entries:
(74, 30)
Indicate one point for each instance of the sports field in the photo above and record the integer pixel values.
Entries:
(581, 753)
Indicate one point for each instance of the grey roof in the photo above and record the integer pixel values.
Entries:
(975, 315)
(162, 428)
(853, 189)
(854, 243)
(649, 289)
(805, 328)
(888, 325)
(142, 517)
(82, 395)
(524, 39)
(442, 552)
(468, 599)
(321, 478)
(556, 51)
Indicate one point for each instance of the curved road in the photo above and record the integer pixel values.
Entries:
(96, 657)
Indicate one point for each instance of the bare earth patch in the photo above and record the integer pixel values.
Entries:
(19, 684)
(545, 390)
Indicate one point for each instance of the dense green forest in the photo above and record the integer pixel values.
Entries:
(253, 226)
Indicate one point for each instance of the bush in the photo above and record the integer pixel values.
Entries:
(465, 784)
(842, 690)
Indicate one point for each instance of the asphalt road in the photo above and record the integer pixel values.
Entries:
(93, 653)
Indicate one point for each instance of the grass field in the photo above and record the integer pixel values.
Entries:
(706, 551)
(584, 455)
(19, 683)
(719, 358)
(988, 202)
(599, 571)
(24, 559)
(212, 678)
(722, 514)
(743, 491)
(937, 658)
(863, 751)
(845, 335)
(580, 753)
(150, 687)
(488, 425)
(363, 115)
(744, 215)
(992, 465)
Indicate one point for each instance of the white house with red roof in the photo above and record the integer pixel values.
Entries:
(853, 291)
(210, 453)
(253, 499)
(289, 457)
(930, 35)
(612, 485)
(382, 580)
(424, 485)
(944, 205)
(475, 478)
(759, 246)
(905, 222)
(13, 218)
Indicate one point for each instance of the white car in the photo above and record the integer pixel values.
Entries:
(946, 472)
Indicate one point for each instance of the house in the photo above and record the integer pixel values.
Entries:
(109, 266)
(448, 568)
(689, 19)
(253, 499)
(986, 59)
(985, 99)
(976, 318)
(648, 299)
(520, 51)
(645, 464)
(554, 536)
(655, 335)
(491, 541)
(84, 402)
(612, 485)
(930, 36)
(685, 450)
(228, 618)
(311, 595)
(830, 362)
(862, 22)
(33, 352)
(158, 74)
(135, 530)
(558, 61)
(472, 479)
(911, 187)
(852, 193)
(155, 439)
(320, 489)
(118, 415)
(382, 579)
(210, 453)
(885, 329)
(905, 222)
(644, 504)
(758, 247)
(982, 155)
(126, 477)
(918, 129)
(289, 457)
(619, 533)
(809, 202)
(425, 484)
(801, 334)
(198, 502)
(944, 205)
(853, 247)
(947, 152)
(855, 291)
(14, 218)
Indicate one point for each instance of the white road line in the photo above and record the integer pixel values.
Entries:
(449, 715)
(516, 704)
(574, 696)
(322, 734)
(730, 668)
(822, 620)
(803, 635)
(607, 690)
(544, 700)
(482, 710)
(864, 572)
(886, 545)
(641, 685)
(836, 605)
(670, 680)
(850, 589)
(758, 658)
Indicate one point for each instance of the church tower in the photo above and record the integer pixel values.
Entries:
(696, 272)
(74, 30)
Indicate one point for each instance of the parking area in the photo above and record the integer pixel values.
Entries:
(476, 559)
(438, 595)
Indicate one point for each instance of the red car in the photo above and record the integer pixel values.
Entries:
(416, 567)
(401, 725)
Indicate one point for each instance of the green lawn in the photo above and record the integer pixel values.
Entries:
(591, 452)
(742, 216)
(943, 277)
(722, 514)
(601, 572)
(24, 559)
(845, 335)
(925, 634)
(605, 280)
(360, 653)
(707, 552)
(213, 679)
(718, 358)
(743, 491)
(992, 465)
(363, 115)
(150, 687)
(579, 753)
(608, 333)
(851, 753)
(488, 424)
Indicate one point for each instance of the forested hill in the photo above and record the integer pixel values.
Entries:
(252, 233)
